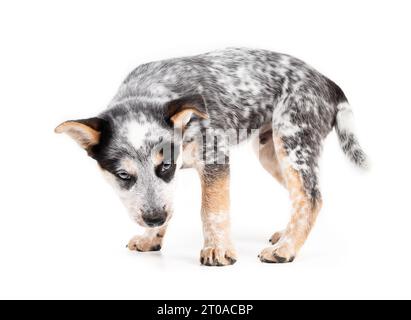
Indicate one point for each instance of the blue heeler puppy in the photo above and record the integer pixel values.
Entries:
(187, 112)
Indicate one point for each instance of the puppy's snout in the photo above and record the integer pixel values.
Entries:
(155, 218)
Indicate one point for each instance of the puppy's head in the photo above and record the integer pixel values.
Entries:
(138, 146)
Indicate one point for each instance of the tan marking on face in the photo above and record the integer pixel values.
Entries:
(130, 166)
(158, 158)
(85, 136)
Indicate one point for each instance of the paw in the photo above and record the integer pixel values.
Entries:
(277, 254)
(276, 236)
(217, 256)
(142, 244)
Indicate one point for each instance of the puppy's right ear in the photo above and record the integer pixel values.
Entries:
(86, 132)
(180, 111)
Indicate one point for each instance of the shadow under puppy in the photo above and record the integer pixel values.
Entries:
(187, 112)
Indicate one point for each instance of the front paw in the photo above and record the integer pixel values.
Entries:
(217, 256)
(144, 244)
(277, 254)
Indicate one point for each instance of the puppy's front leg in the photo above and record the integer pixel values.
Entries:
(218, 249)
(151, 240)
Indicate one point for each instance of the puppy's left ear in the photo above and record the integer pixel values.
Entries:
(179, 112)
(86, 132)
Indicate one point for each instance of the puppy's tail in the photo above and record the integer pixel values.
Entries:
(344, 126)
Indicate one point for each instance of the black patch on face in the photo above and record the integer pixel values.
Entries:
(109, 163)
(167, 168)
(106, 134)
(166, 171)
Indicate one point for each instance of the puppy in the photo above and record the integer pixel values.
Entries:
(188, 112)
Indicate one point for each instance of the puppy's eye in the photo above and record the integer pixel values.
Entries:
(165, 170)
(166, 166)
(123, 175)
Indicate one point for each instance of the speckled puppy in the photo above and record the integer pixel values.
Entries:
(187, 112)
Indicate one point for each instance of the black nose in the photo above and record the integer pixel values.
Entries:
(155, 219)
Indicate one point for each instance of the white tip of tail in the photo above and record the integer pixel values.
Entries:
(348, 140)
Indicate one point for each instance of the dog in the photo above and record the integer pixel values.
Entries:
(187, 113)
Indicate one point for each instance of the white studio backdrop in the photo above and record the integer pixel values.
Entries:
(62, 229)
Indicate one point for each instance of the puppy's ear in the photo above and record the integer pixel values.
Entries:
(86, 132)
(179, 112)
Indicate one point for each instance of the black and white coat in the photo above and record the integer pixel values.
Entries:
(187, 112)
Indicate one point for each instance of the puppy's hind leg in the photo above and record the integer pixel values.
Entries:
(263, 146)
(150, 240)
(302, 183)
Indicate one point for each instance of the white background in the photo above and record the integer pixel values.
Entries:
(62, 229)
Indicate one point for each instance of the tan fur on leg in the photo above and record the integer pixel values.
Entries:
(264, 148)
(218, 249)
(305, 211)
(267, 156)
(151, 240)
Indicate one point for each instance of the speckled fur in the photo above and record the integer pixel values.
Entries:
(242, 90)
